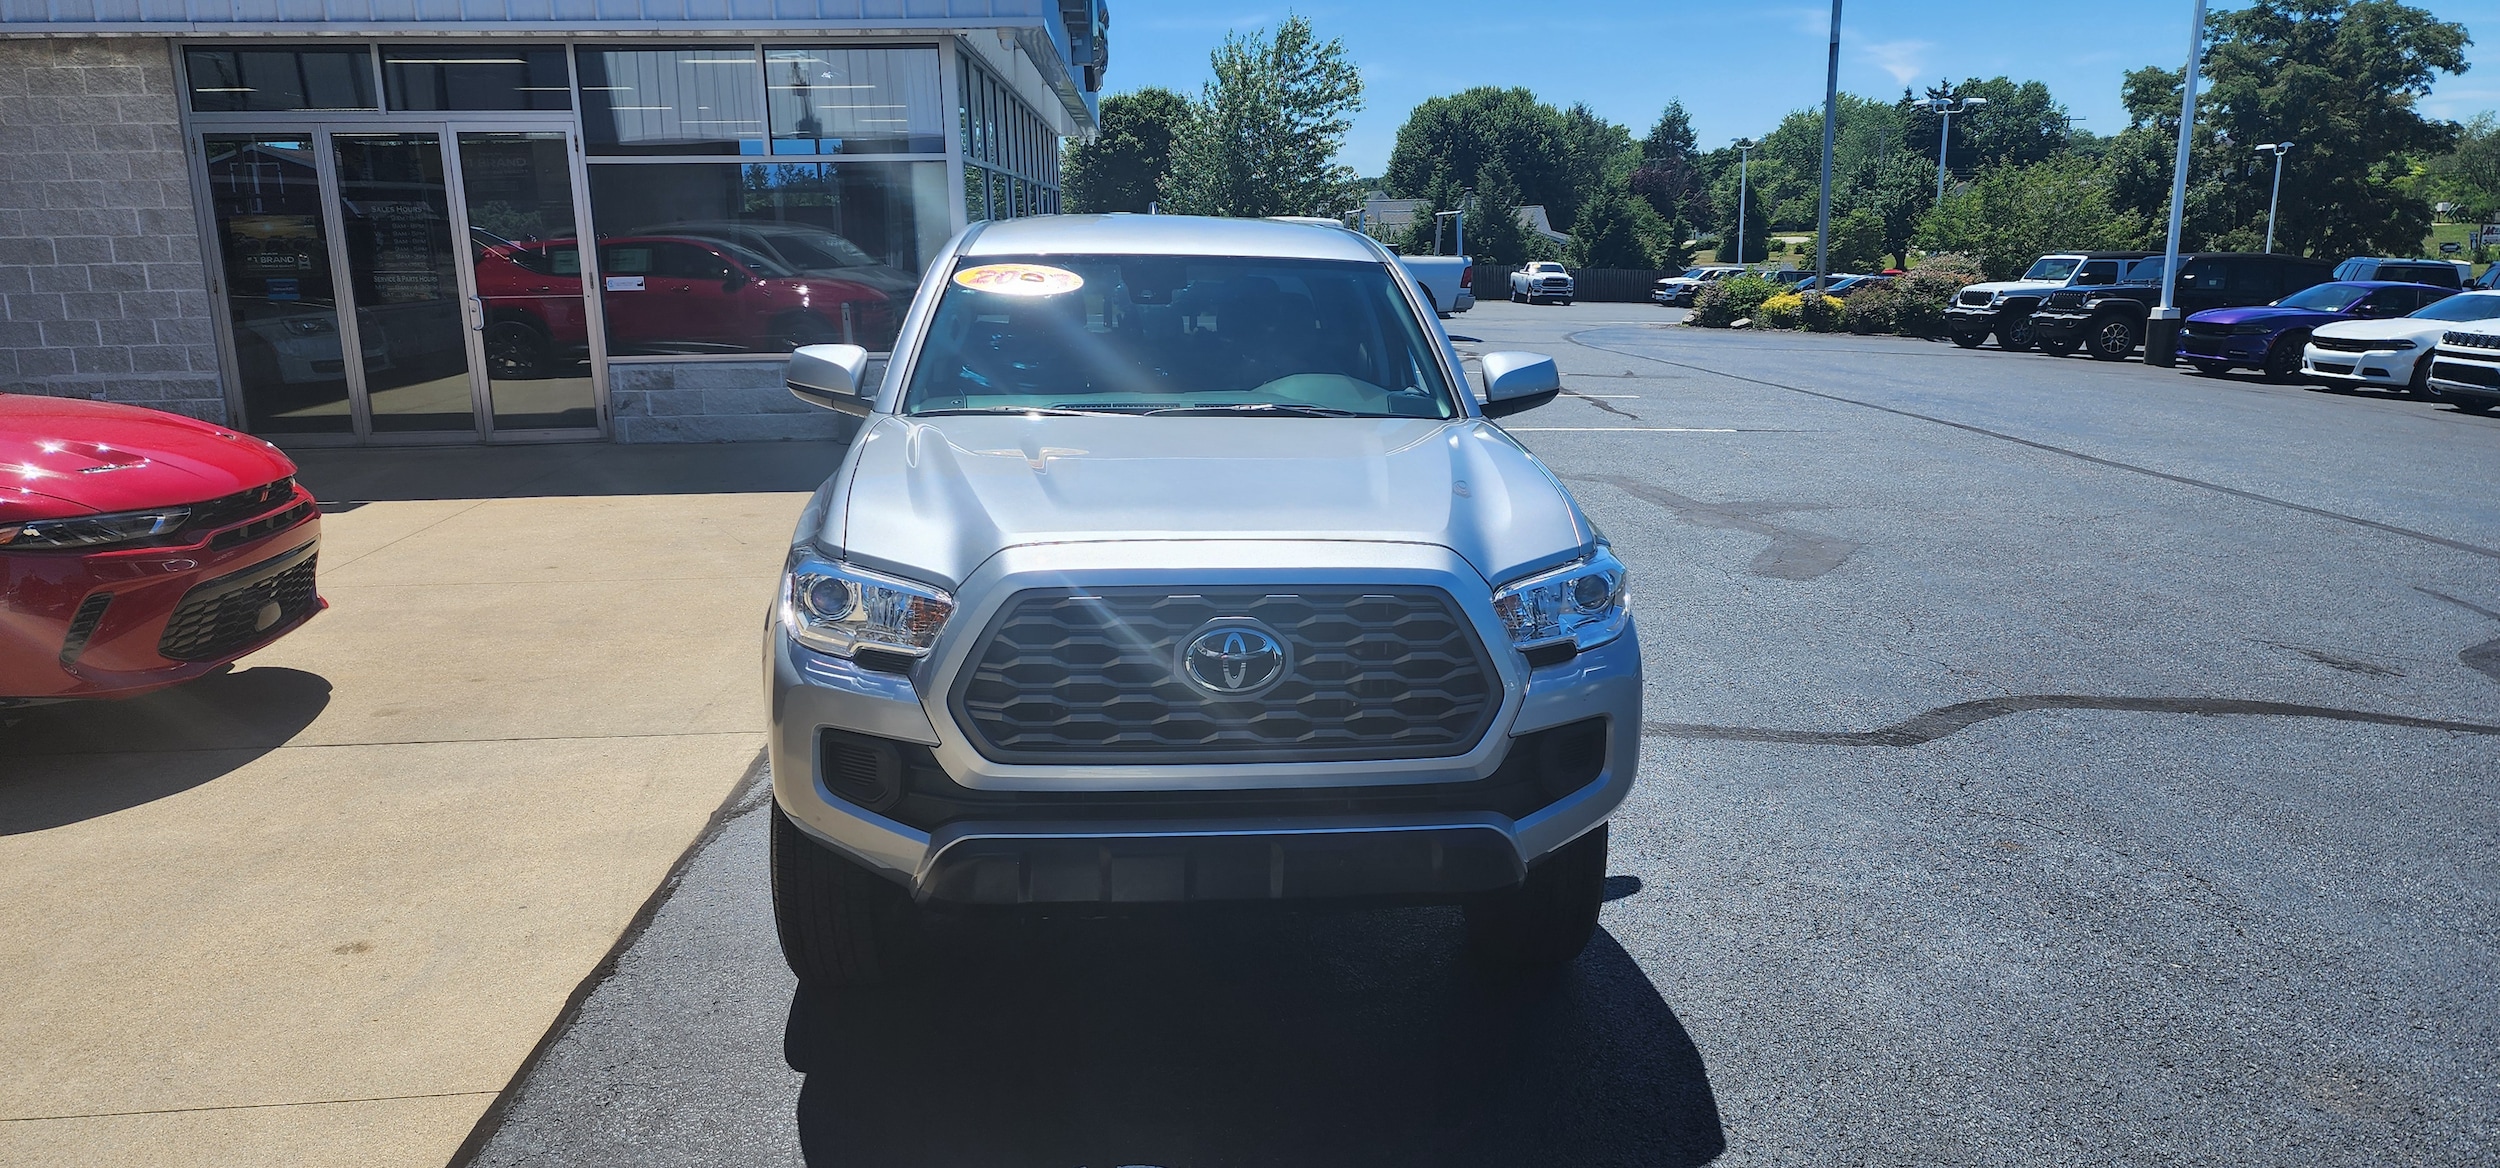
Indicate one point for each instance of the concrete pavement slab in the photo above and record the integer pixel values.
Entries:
(319, 909)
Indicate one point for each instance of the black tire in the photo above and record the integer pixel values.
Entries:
(2113, 338)
(1434, 305)
(2283, 360)
(516, 351)
(2016, 337)
(2057, 348)
(2212, 368)
(1515, 297)
(1565, 302)
(1549, 918)
(2471, 407)
(840, 924)
(2419, 388)
(1969, 340)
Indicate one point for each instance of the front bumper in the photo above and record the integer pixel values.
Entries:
(2060, 326)
(2374, 367)
(1967, 320)
(1410, 829)
(99, 624)
(2462, 378)
(2231, 349)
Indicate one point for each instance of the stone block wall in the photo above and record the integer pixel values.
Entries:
(103, 291)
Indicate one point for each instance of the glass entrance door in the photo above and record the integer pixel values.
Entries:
(414, 284)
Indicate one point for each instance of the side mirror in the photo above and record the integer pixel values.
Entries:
(1517, 382)
(829, 376)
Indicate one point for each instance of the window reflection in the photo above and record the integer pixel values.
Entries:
(761, 258)
(421, 78)
(854, 101)
(282, 302)
(267, 80)
(672, 101)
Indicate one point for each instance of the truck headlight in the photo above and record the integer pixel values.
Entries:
(91, 531)
(840, 609)
(1583, 603)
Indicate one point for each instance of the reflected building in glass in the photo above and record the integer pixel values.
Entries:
(487, 230)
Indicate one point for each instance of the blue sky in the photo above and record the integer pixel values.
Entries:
(1737, 66)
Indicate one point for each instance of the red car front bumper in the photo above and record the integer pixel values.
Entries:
(121, 621)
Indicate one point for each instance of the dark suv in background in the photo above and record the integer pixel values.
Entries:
(2436, 273)
(2108, 322)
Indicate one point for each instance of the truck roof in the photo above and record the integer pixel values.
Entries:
(1168, 235)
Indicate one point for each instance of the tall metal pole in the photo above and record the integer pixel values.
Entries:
(1944, 142)
(1831, 116)
(2276, 199)
(2161, 341)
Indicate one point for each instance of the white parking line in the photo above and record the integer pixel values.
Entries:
(1614, 396)
(1622, 429)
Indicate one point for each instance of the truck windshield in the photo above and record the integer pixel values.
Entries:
(1149, 334)
(2052, 268)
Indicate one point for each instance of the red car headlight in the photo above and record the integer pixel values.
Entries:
(90, 531)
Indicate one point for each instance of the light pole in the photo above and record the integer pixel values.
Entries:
(1831, 123)
(2161, 340)
(2278, 150)
(1744, 157)
(1944, 138)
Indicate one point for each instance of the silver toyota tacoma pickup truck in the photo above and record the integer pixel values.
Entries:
(1174, 562)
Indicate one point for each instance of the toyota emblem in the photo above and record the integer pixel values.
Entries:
(1234, 658)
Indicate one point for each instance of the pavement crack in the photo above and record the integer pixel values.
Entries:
(1793, 554)
(2467, 605)
(1942, 721)
(2334, 660)
(240, 1106)
(1602, 404)
(2114, 464)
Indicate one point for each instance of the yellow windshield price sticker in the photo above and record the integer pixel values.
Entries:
(1020, 280)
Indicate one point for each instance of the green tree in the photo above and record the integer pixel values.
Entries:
(2469, 175)
(1447, 143)
(2021, 124)
(2341, 79)
(1263, 136)
(1122, 169)
(1670, 176)
(1757, 219)
(1610, 232)
(1596, 152)
(1493, 230)
(1858, 241)
(2012, 214)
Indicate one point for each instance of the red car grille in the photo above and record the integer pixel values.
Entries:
(240, 505)
(82, 626)
(221, 616)
(257, 528)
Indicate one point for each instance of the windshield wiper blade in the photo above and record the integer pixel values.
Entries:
(1047, 411)
(1284, 409)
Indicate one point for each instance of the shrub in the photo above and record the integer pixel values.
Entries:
(1820, 313)
(1873, 310)
(1730, 300)
(1784, 311)
(1923, 294)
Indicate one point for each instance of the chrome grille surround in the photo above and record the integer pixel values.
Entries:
(1089, 675)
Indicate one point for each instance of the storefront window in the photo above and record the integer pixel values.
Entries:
(762, 257)
(672, 101)
(281, 299)
(422, 78)
(854, 101)
(272, 80)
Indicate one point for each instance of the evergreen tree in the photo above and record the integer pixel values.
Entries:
(1264, 134)
(1122, 169)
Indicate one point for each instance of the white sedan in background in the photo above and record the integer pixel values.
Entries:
(2392, 354)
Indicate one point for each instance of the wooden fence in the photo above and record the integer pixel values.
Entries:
(1608, 285)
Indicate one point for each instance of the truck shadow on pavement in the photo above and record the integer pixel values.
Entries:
(1356, 1039)
(79, 760)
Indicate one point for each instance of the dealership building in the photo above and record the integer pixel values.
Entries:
(361, 221)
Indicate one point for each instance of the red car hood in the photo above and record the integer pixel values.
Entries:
(67, 456)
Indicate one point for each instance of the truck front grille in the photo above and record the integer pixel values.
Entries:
(1974, 300)
(1064, 676)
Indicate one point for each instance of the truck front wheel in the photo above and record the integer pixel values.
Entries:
(2014, 333)
(840, 924)
(2113, 338)
(1548, 919)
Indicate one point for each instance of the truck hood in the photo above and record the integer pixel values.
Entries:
(2015, 286)
(69, 456)
(934, 499)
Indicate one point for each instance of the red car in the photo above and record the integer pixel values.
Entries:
(139, 549)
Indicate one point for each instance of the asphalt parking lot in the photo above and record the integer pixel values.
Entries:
(2047, 761)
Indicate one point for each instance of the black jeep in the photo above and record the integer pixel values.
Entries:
(2108, 322)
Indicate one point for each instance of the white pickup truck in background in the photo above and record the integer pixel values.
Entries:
(1448, 281)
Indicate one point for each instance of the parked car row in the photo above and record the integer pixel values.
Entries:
(2392, 324)
(1679, 291)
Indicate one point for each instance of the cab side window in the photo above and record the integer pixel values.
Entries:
(2097, 272)
(2203, 275)
(2388, 302)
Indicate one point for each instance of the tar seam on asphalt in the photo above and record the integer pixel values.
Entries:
(1793, 554)
(2443, 541)
(1944, 720)
(754, 789)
